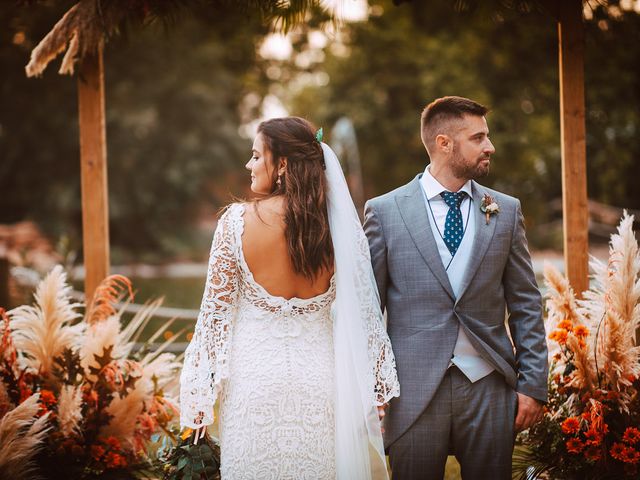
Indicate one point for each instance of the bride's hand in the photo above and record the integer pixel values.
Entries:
(199, 434)
(381, 411)
(381, 414)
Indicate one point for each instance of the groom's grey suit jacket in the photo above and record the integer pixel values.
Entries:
(423, 313)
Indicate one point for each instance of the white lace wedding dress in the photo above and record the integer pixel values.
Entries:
(271, 362)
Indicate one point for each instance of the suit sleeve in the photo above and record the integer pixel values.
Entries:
(524, 305)
(378, 249)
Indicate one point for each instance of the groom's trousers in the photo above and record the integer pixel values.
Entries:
(473, 421)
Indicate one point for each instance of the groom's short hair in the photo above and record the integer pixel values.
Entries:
(441, 115)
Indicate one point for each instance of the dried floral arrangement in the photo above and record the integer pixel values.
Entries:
(75, 400)
(591, 427)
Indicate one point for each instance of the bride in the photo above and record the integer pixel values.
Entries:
(290, 336)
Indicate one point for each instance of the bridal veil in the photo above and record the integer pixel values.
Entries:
(364, 362)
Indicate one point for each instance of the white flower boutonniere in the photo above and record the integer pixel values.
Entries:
(489, 206)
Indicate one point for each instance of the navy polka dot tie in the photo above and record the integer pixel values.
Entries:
(453, 227)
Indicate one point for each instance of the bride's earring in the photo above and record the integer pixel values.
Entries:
(279, 180)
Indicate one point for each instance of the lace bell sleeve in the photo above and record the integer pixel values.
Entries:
(386, 384)
(205, 360)
(381, 357)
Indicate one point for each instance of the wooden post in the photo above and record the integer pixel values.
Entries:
(93, 161)
(572, 125)
(4, 279)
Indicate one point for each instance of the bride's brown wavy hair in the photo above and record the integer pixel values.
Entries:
(304, 187)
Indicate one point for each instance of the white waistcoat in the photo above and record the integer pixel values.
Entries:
(465, 356)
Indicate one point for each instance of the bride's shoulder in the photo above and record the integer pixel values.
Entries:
(232, 209)
(230, 215)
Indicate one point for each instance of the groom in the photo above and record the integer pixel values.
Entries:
(451, 259)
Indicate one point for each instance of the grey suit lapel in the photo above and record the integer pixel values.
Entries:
(482, 240)
(415, 217)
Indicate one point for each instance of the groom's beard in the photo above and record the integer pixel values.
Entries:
(467, 169)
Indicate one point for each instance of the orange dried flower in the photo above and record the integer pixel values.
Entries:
(560, 335)
(593, 437)
(113, 443)
(571, 425)
(25, 392)
(565, 324)
(617, 451)
(631, 435)
(593, 453)
(630, 455)
(47, 397)
(90, 396)
(115, 460)
(121, 461)
(581, 331)
(574, 445)
(611, 395)
(97, 451)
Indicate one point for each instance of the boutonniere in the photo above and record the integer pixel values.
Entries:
(489, 206)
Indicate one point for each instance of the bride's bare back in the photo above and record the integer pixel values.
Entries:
(265, 250)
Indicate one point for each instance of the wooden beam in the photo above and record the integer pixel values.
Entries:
(93, 166)
(5, 298)
(572, 124)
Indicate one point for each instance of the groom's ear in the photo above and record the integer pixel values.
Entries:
(444, 143)
(282, 165)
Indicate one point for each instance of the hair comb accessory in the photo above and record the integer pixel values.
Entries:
(319, 135)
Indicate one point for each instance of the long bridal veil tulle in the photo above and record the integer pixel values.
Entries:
(357, 317)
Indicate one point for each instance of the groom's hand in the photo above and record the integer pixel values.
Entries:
(529, 412)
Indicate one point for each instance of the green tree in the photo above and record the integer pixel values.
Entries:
(172, 125)
(613, 107)
(39, 170)
(404, 56)
(408, 55)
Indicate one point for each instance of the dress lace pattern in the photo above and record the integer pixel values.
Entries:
(271, 362)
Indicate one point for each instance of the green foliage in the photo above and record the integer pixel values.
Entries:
(187, 461)
(172, 126)
(613, 116)
(172, 100)
(39, 172)
(407, 55)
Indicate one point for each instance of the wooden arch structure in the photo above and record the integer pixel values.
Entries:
(82, 31)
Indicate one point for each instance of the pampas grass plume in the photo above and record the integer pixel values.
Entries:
(562, 306)
(98, 338)
(43, 331)
(125, 411)
(69, 410)
(22, 435)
